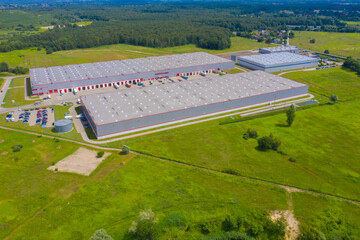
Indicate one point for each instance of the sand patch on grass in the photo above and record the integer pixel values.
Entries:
(2, 140)
(83, 161)
(3, 153)
(291, 224)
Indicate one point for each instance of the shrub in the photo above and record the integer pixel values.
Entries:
(312, 40)
(100, 154)
(101, 234)
(146, 226)
(231, 171)
(334, 98)
(269, 142)
(229, 224)
(250, 134)
(291, 159)
(326, 51)
(17, 148)
(56, 169)
(57, 140)
(174, 219)
(125, 149)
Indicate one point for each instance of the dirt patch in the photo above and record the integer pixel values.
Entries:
(59, 147)
(33, 141)
(83, 162)
(3, 153)
(291, 224)
(122, 163)
(2, 140)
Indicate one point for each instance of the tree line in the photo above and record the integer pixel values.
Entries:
(165, 25)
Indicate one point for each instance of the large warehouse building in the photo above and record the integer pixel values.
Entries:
(283, 48)
(62, 79)
(130, 110)
(274, 62)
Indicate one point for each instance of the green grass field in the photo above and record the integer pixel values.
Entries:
(343, 44)
(17, 82)
(41, 204)
(352, 23)
(32, 58)
(18, 95)
(1, 82)
(325, 82)
(113, 195)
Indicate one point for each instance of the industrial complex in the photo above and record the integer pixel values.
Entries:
(274, 62)
(130, 110)
(70, 78)
(282, 48)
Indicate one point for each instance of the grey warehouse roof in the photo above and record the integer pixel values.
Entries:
(281, 48)
(277, 58)
(120, 67)
(140, 102)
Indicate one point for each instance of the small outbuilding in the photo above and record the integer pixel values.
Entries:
(63, 126)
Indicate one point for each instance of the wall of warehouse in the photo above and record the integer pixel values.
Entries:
(118, 128)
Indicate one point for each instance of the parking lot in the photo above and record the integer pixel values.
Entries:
(43, 117)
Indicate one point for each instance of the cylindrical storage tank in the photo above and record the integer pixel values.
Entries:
(63, 126)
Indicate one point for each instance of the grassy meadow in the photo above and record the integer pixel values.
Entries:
(325, 82)
(17, 82)
(73, 206)
(343, 44)
(32, 58)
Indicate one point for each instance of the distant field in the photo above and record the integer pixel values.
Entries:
(325, 82)
(352, 23)
(32, 58)
(343, 44)
(12, 18)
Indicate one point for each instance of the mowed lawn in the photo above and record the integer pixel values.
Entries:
(32, 58)
(73, 206)
(18, 96)
(17, 82)
(343, 44)
(325, 82)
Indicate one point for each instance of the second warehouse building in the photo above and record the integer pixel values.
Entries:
(131, 110)
(276, 62)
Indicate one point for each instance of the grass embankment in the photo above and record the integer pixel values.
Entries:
(343, 44)
(32, 58)
(2, 80)
(321, 140)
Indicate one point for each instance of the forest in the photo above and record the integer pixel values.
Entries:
(207, 25)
